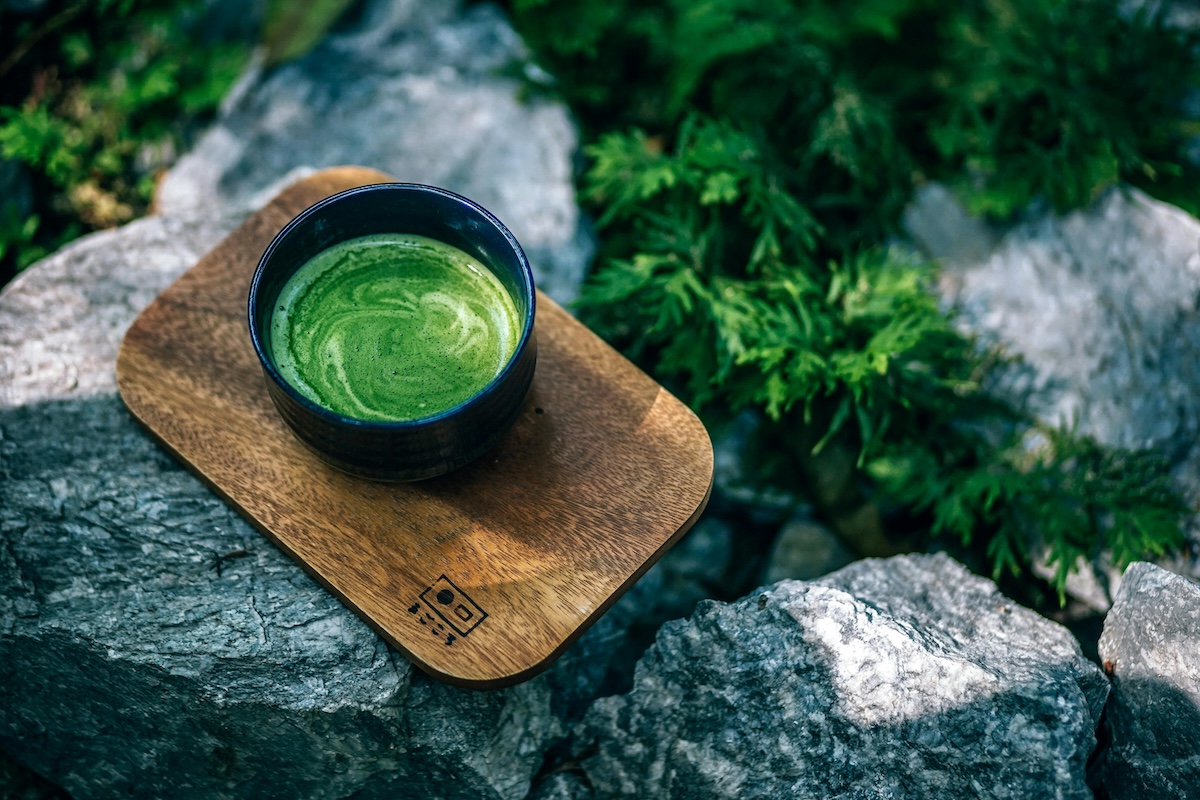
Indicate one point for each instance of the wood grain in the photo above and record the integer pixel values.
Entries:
(602, 472)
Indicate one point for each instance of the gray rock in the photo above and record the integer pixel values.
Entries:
(20, 783)
(735, 479)
(693, 570)
(804, 550)
(1151, 648)
(561, 786)
(425, 92)
(1101, 305)
(152, 643)
(899, 678)
(1093, 583)
(61, 321)
(1175, 13)
(944, 229)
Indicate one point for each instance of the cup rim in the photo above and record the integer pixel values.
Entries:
(527, 287)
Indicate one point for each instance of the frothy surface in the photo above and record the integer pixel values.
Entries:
(392, 327)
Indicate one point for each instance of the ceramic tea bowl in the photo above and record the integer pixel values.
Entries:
(361, 436)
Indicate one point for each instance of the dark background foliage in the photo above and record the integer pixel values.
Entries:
(96, 97)
(748, 165)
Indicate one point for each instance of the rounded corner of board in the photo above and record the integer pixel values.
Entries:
(486, 682)
(685, 420)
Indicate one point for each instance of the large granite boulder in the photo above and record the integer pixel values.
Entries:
(1151, 649)
(151, 642)
(426, 92)
(62, 320)
(899, 678)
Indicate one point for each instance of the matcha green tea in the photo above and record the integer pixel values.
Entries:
(392, 327)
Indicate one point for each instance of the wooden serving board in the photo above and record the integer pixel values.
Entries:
(481, 577)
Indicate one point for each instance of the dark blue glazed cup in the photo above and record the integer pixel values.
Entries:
(415, 449)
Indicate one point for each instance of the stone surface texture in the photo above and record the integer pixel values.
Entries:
(804, 550)
(735, 479)
(152, 644)
(62, 320)
(693, 570)
(899, 678)
(1101, 305)
(1151, 649)
(426, 92)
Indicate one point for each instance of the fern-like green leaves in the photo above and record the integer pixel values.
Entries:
(1059, 99)
(1045, 494)
(729, 293)
(749, 160)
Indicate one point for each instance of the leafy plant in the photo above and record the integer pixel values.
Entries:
(96, 98)
(16, 233)
(1044, 494)
(726, 253)
(749, 160)
(1060, 100)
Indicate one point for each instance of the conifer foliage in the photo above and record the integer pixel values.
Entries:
(747, 166)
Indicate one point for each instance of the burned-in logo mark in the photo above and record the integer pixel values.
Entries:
(454, 613)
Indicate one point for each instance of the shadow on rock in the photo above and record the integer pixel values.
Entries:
(1155, 742)
(900, 678)
(153, 644)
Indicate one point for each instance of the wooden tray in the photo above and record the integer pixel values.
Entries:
(481, 577)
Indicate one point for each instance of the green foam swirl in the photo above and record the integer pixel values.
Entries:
(392, 327)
